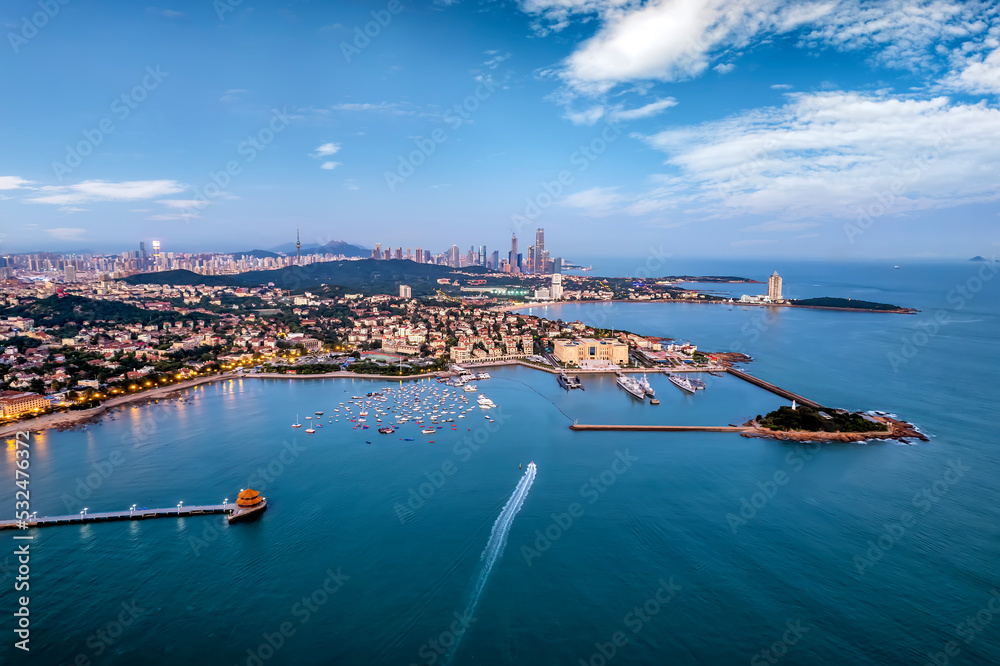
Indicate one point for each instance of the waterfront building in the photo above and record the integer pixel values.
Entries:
(581, 350)
(15, 403)
(774, 287)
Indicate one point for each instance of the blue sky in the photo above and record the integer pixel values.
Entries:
(833, 128)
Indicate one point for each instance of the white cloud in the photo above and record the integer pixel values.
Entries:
(382, 107)
(166, 217)
(326, 150)
(724, 68)
(586, 117)
(496, 59)
(329, 166)
(670, 40)
(978, 75)
(100, 190)
(781, 86)
(67, 233)
(831, 154)
(595, 201)
(183, 204)
(645, 111)
(13, 182)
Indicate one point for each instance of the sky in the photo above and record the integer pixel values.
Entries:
(834, 129)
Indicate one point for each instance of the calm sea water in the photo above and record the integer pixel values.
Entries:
(873, 554)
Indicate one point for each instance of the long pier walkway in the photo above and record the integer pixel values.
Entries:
(137, 514)
(777, 390)
(659, 428)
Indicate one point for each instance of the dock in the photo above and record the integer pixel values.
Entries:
(231, 510)
(658, 428)
(777, 390)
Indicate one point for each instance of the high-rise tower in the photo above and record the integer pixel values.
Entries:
(774, 287)
(298, 247)
(513, 254)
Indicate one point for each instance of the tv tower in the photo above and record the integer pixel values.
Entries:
(298, 247)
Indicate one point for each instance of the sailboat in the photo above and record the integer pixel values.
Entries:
(296, 424)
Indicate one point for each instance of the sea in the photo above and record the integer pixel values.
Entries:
(619, 548)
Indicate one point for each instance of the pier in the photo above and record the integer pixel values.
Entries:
(777, 390)
(659, 428)
(131, 514)
(248, 505)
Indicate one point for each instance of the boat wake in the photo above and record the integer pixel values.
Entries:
(495, 546)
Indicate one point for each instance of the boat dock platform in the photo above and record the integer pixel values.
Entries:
(230, 509)
(659, 428)
(777, 390)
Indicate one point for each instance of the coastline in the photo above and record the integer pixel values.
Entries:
(71, 419)
(700, 301)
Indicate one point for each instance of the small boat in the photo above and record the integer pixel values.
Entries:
(387, 431)
(310, 430)
(428, 431)
(296, 424)
(319, 413)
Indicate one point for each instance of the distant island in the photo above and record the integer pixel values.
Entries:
(849, 304)
(978, 258)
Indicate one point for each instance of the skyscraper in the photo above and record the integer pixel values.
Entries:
(531, 267)
(513, 258)
(482, 255)
(420, 256)
(494, 261)
(453, 257)
(539, 240)
(774, 287)
(556, 289)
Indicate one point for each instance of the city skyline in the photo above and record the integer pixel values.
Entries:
(828, 129)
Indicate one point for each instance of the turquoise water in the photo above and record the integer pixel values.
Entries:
(630, 517)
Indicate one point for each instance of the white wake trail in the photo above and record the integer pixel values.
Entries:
(495, 546)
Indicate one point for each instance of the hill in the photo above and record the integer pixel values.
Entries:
(366, 276)
(333, 247)
(55, 311)
(814, 420)
(847, 304)
(256, 254)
